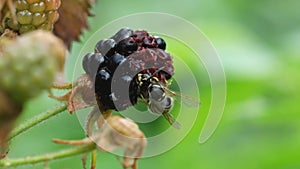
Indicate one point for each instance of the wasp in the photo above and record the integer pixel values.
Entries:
(159, 98)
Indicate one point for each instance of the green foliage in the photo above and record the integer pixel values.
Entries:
(260, 126)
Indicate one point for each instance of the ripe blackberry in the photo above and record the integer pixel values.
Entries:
(34, 14)
(132, 53)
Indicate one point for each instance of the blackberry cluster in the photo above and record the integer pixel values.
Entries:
(34, 14)
(120, 59)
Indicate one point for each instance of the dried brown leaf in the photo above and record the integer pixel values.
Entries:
(72, 19)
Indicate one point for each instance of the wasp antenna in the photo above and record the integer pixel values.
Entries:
(157, 71)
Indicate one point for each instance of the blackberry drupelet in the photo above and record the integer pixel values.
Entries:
(161, 44)
(91, 62)
(125, 56)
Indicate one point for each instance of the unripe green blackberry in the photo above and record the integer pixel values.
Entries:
(34, 14)
(28, 64)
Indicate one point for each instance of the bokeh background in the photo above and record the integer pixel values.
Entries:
(258, 44)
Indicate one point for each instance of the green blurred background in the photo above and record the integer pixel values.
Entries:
(258, 43)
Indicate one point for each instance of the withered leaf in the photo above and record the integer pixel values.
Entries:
(72, 19)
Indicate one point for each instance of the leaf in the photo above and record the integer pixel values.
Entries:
(72, 19)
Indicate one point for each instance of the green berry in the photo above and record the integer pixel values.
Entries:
(38, 19)
(46, 26)
(24, 17)
(32, 1)
(34, 14)
(28, 64)
(52, 16)
(26, 28)
(22, 5)
(12, 25)
(37, 7)
(52, 5)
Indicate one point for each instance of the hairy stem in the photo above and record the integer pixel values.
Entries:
(49, 156)
(36, 120)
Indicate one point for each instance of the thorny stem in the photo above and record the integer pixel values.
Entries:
(36, 120)
(49, 156)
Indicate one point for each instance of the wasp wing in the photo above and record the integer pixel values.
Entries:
(172, 121)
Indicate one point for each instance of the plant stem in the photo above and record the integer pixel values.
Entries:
(36, 120)
(49, 156)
